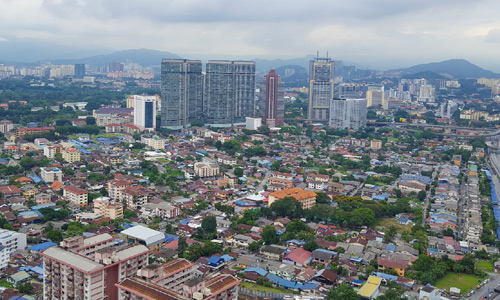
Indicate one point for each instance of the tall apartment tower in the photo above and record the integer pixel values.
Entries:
(348, 113)
(145, 112)
(79, 70)
(274, 100)
(181, 92)
(375, 96)
(320, 88)
(229, 92)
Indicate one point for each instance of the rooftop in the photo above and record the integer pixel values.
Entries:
(148, 290)
(297, 193)
(72, 259)
(142, 233)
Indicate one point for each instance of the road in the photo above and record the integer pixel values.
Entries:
(487, 288)
(426, 201)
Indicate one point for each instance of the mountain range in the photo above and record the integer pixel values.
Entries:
(453, 68)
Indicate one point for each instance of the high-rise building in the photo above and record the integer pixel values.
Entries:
(182, 92)
(375, 96)
(69, 275)
(426, 93)
(274, 100)
(145, 112)
(79, 70)
(229, 92)
(320, 88)
(348, 113)
(115, 67)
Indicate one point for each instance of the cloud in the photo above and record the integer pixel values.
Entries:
(379, 34)
(2, 39)
(493, 36)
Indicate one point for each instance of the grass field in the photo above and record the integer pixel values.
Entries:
(384, 223)
(260, 288)
(485, 265)
(465, 282)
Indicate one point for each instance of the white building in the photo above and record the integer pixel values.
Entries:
(348, 113)
(145, 112)
(12, 240)
(49, 175)
(253, 123)
(154, 142)
(375, 96)
(426, 93)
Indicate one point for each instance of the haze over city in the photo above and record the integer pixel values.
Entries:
(377, 35)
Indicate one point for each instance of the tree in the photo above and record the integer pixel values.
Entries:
(311, 246)
(25, 288)
(55, 236)
(264, 130)
(269, 235)
(238, 172)
(209, 224)
(343, 292)
(182, 245)
(218, 145)
(322, 198)
(421, 195)
(288, 207)
(90, 120)
(253, 246)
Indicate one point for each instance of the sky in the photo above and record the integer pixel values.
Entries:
(378, 34)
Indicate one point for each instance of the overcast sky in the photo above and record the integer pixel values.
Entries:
(379, 34)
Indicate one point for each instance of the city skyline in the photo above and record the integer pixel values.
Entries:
(373, 35)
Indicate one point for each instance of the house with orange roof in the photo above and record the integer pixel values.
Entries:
(306, 198)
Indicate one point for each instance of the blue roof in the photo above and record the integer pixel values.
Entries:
(37, 270)
(310, 286)
(375, 197)
(185, 221)
(215, 260)
(42, 246)
(259, 271)
(433, 250)
(227, 257)
(390, 247)
(37, 207)
(170, 237)
(386, 276)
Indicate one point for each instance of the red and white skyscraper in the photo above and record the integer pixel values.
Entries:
(274, 100)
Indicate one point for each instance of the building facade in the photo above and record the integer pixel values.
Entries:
(274, 110)
(72, 276)
(181, 92)
(229, 92)
(76, 195)
(145, 112)
(49, 175)
(320, 88)
(71, 155)
(348, 113)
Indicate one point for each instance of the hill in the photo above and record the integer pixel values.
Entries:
(144, 57)
(293, 75)
(426, 75)
(457, 68)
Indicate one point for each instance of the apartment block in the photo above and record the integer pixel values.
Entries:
(135, 289)
(175, 273)
(51, 174)
(87, 246)
(76, 195)
(204, 169)
(73, 276)
(105, 207)
(50, 151)
(116, 186)
(71, 155)
(306, 198)
(12, 240)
